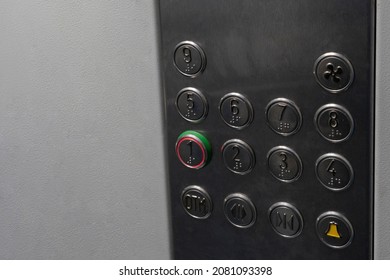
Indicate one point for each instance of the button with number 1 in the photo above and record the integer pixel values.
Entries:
(193, 149)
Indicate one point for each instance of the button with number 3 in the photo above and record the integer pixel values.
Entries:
(284, 164)
(236, 110)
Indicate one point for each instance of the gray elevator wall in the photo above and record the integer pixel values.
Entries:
(382, 135)
(81, 146)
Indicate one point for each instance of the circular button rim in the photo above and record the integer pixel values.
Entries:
(246, 146)
(246, 199)
(345, 60)
(206, 195)
(202, 97)
(247, 103)
(341, 108)
(288, 205)
(291, 151)
(342, 159)
(338, 216)
(191, 135)
(294, 106)
(202, 55)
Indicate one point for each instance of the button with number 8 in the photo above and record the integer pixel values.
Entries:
(334, 123)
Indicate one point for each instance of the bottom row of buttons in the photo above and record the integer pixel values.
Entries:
(333, 228)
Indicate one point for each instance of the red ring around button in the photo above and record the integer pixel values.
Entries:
(197, 142)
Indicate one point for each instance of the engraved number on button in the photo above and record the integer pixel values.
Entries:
(333, 122)
(234, 107)
(331, 169)
(237, 152)
(283, 165)
(190, 145)
(190, 101)
(283, 108)
(187, 55)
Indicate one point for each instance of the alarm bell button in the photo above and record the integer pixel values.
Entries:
(333, 230)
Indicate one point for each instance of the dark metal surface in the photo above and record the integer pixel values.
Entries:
(264, 50)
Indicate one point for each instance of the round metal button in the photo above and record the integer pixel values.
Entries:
(334, 123)
(193, 149)
(196, 202)
(238, 156)
(189, 58)
(333, 72)
(236, 110)
(284, 164)
(191, 104)
(334, 230)
(283, 116)
(334, 172)
(285, 219)
(239, 210)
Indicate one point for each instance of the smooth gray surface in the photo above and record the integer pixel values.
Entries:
(382, 137)
(79, 101)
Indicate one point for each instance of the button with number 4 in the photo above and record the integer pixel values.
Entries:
(334, 172)
(236, 110)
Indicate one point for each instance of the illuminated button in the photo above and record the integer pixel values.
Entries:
(283, 116)
(238, 156)
(334, 230)
(196, 202)
(334, 172)
(239, 210)
(189, 59)
(334, 123)
(286, 219)
(284, 164)
(236, 111)
(191, 105)
(193, 149)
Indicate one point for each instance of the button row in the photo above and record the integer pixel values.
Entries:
(333, 121)
(333, 171)
(332, 71)
(333, 229)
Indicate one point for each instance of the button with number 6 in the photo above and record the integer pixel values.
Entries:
(193, 149)
(236, 110)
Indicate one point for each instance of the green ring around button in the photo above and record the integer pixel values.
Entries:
(201, 138)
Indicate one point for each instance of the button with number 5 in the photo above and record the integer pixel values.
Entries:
(236, 110)
(284, 164)
(191, 104)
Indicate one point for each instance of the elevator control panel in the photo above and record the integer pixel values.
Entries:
(269, 127)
